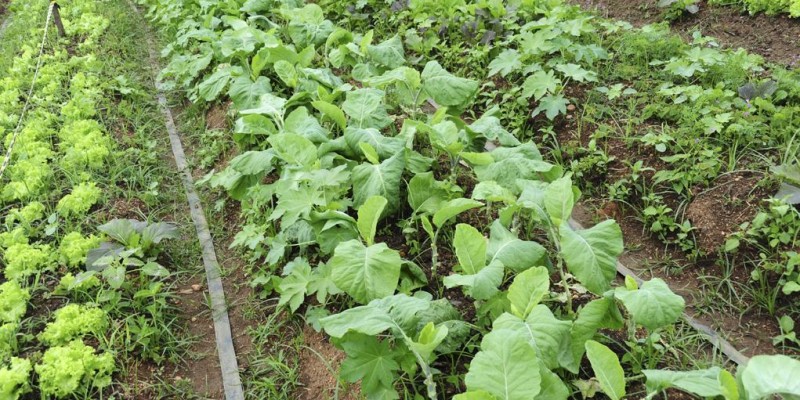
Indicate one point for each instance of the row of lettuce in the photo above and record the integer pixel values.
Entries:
(348, 147)
(47, 196)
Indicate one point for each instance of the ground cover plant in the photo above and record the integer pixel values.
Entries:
(404, 177)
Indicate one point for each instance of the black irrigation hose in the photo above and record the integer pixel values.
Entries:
(713, 336)
(222, 329)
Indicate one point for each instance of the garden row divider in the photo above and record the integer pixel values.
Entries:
(231, 381)
(712, 335)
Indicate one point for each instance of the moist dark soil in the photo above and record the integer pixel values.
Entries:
(717, 212)
(776, 38)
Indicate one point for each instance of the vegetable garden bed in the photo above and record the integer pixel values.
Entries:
(390, 187)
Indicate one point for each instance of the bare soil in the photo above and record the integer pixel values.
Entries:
(319, 366)
(776, 38)
(717, 212)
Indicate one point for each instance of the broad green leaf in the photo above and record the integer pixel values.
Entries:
(476, 158)
(452, 208)
(515, 254)
(369, 152)
(368, 215)
(653, 305)
(446, 89)
(600, 313)
(765, 375)
(365, 108)
(539, 84)
(527, 290)
(559, 200)
(506, 367)
(514, 163)
(445, 136)
(577, 73)
(286, 72)
(388, 53)
(607, 369)
(442, 313)
(322, 284)
(490, 127)
(398, 312)
(474, 395)
(155, 270)
(553, 388)
(552, 105)
(381, 180)
(268, 104)
(591, 254)
(482, 285)
(506, 62)
(331, 111)
(294, 286)
(246, 94)
(385, 146)
(704, 383)
(728, 384)
(406, 82)
(544, 332)
(308, 25)
(365, 273)
(296, 203)
(425, 193)
(300, 122)
(470, 248)
(333, 227)
(294, 149)
(370, 361)
(429, 338)
(212, 86)
(492, 191)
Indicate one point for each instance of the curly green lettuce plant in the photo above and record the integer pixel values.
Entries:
(10, 238)
(73, 369)
(84, 145)
(74, 321)
(23, 260)
(82, 198)
(74, 248)
(8, 340)
(13, 301)
(15, 379)
(32, 212)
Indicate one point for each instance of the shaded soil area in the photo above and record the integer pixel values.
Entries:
(776, 38)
